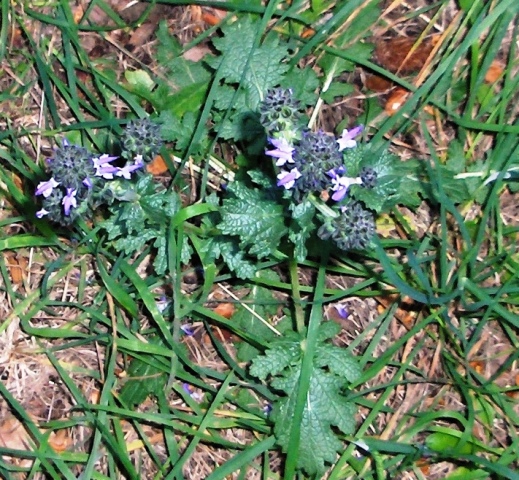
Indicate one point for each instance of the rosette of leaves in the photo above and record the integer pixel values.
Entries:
(327, 405)
(141, 216)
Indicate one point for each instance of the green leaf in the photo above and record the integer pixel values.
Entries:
(144, 379)
(283, 353)
(397, 182)
(325, 407)
(301, 228)
(338, 361)
(261, 303)
(258, 222)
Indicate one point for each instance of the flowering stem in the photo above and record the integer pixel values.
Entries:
(322, 207)
(296, 295)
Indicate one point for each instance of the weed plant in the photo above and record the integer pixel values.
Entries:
(358, 344)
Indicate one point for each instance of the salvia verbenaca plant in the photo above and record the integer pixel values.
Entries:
(81, 181)
(314, 166)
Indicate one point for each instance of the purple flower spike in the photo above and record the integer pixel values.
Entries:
(342, 310)
(45, 188)
(288, 179)
(104, 168)
(69, 200)
(283, 151)
(41, 213)
(346, 140)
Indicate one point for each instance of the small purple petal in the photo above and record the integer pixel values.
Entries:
(342, 310)
(88, 183)
(339, 194)
(127, 170)
(138, 160)
(336, 173)
(69, 200)
(103, 160)
(41, 213)
(346, 139)
(288, 179)
(283, 151)
(186, 328)
(106, 172)
(45, 188)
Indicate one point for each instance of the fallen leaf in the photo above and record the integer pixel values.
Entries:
(225, 310)
(402, 55)
(396, 100)
(60, 440)
(494, 72)
(157, 166)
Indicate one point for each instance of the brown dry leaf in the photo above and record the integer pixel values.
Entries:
(142, 34)
(225, 310)
(396, 100)
(13, 435)
(17, 265)
(60, 440)
(77, 13)
(398, 56)
(157, 166)
(495, 72)
(478, 366)
(377, 83)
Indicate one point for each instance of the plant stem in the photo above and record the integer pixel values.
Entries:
(296, 295)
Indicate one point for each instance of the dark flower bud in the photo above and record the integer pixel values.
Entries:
(314, 157)
(141, 137)
(368, 177)
(72, 166)
(280, 111)
(353, 229)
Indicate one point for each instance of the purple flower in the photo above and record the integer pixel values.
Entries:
(126, 171)
(104, 168)
(41, 213)
(88, 183)
(342, 310)
(186, 328)
(347, 136)
(191, 392)
(283, 151)
(288, 179)
(340, 183)
(69, 200)
(45, 188)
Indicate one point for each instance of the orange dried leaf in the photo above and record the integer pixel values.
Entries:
(60, 440)
(494, 72)
(210, 19)
(17, 265)
(396, 100)
(225, 310)
(77, 13)
(13, 435)
(377, 83)
(478, 366)
(157, 166)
